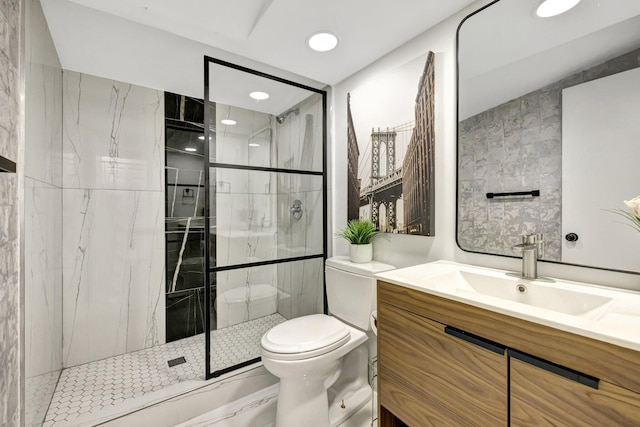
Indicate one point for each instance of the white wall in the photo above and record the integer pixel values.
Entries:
(597, 113)
(403, 250)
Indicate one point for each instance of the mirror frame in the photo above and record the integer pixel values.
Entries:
(458, 160)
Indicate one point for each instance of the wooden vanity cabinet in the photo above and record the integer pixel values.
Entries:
(430, 375)
(542, 398)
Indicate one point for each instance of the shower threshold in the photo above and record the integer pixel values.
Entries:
(87, 394)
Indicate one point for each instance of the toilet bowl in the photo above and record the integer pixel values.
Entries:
(321, 360)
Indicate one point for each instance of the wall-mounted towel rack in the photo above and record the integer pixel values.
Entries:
(532, 193)
(7, 165)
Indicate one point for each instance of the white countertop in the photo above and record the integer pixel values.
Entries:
(617, 321)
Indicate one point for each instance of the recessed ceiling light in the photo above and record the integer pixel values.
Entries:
(253, 144)
(549, 8)
(191, 149)
(322, 41)
(228, 122)
(259, 95)
(201, 137)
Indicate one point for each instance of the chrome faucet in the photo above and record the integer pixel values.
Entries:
(532, 248)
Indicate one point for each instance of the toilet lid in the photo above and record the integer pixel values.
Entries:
(305, 334)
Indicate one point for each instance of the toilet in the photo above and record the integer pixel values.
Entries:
(322, 361)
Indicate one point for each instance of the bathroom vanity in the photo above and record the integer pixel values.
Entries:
(467, 346)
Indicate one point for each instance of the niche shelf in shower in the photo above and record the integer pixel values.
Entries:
(7, 165)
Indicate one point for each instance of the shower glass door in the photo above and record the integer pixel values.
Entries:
(265, 208)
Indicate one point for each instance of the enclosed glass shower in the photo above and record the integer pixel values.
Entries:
(265, 211)
(248, 207)
(243, 249)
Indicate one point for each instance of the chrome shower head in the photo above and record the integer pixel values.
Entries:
(281, 118)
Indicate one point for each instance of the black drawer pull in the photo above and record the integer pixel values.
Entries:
(570, 374)
(475, 340)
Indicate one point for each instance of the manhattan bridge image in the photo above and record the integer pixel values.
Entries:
(391, 180)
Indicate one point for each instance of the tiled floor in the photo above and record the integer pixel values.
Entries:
(95, 386)
(38, 391)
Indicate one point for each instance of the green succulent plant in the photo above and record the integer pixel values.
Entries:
(359, 232)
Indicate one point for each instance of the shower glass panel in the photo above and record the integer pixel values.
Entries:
(265, 209)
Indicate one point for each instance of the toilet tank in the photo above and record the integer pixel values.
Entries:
(351, 289)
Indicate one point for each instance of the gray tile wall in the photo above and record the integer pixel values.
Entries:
(10, 147)
(517, 146)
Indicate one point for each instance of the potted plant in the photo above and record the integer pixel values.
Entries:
(359, 233)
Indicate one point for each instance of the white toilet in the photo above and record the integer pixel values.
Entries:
(322, 361)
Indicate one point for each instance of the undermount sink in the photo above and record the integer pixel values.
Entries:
(546, 296)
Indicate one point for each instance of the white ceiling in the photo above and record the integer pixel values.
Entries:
(511, 51)
(271, 32)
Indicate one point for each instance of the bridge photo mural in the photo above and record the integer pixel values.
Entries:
(390, 136)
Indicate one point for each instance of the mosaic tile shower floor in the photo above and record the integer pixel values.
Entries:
(95, 386)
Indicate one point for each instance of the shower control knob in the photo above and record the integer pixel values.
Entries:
(571, 237)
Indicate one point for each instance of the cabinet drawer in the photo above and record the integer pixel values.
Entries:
(542, 398)
(429, 378)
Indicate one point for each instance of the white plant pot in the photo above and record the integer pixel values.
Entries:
(361, 253)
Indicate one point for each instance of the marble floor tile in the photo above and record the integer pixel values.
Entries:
(134, 378)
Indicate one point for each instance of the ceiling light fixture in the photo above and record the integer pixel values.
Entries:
(253, 144)
(190, 149)
(322, 41)
(549, 8)
(259, 96)
(228, 122)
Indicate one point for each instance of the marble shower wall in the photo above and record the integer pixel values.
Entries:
(299, 137)
(245, 203)
(113, 215)
(11, 142)
(299, 146)
(42, 214)
(517, 146)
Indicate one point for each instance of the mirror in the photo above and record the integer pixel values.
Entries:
(548, 109)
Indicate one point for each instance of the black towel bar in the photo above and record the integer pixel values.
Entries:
(532, 193)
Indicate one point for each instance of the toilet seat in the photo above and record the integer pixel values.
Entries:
(304, 337)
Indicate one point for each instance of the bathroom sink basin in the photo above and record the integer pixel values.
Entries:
(542, 295)
(599, 312)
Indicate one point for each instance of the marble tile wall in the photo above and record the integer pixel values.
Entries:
(299, 137)
(11, 143)
(113, 295)
(113, 135)
(42, 214)
(113, 215)
(517, 146)
(9, 302)
(245, 210)
(300, 288)
(299, 146)
(253, 219)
